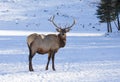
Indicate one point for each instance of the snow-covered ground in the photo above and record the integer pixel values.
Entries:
(90, 55)
(84, 59)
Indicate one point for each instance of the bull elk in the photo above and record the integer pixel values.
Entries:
(42, 44)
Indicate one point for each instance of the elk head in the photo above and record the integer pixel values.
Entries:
(62, 31)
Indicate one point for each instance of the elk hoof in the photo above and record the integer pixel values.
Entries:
(46, 68)
(31, 70)
(54, 69)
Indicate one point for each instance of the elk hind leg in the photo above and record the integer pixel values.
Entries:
(31, 55)
(30, 63)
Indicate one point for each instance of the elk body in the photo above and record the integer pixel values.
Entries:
(42, 44)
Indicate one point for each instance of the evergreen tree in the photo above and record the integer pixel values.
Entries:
(117, 11)
(106, 13)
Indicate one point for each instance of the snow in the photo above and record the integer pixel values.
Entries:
(26, 33)
(84, 59)
(85, 72)
(90, 55)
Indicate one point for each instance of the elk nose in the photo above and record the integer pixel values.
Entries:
(63, 34)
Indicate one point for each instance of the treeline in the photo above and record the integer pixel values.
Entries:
(108, 11)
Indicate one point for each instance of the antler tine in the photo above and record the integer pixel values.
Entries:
(65, 25)
(52, 20)
(72, 24)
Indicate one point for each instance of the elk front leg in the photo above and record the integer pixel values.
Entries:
(49, 57)
(53, 57)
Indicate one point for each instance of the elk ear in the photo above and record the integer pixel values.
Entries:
(67, 29)
(58, 29)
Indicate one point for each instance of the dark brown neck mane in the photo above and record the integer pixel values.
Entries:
(62, 42)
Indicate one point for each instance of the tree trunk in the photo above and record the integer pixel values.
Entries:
(116, 25)
(108, 30)
(110, 27)
(117, 15)
(118, 21)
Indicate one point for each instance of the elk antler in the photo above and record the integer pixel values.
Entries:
(69, 27)
(52, 20)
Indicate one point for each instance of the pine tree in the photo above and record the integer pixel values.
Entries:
(117, 11)
(106, 13)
